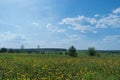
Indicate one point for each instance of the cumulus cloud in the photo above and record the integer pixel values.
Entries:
(81, 23)
(116, 11)
(110, 21)
(53, 28)
(91, 24)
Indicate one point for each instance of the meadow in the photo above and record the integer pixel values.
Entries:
(58, 67)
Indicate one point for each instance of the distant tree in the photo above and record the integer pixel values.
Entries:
(18, 51)
(72, 51)
(3, 50)
(11, 51)
(91, 51)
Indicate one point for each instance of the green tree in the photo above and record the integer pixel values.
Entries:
(3, 50)
(72, 51)
(91, 51)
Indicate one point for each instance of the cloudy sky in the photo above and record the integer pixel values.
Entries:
(60, 23)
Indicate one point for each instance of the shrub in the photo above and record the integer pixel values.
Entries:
(66, 53)
(60, 53)
(72, 51)
(91, 51)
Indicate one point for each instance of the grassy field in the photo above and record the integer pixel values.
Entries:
(58, 67)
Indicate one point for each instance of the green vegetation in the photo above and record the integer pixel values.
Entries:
(72, 51)
(91, 51)
(3, 50)
(59, 67)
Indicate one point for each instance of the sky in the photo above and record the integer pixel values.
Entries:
(60, 24)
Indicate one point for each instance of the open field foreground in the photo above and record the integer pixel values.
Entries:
(58, 67)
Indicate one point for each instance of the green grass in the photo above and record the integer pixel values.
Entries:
(59, 67)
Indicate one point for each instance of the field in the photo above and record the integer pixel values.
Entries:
(58, 67)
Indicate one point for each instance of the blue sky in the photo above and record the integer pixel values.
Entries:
(60, 24)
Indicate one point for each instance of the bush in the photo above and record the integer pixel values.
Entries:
(66, 53)
(60, 53)
(72, 51)
(91, 51)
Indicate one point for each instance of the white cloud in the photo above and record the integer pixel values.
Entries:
(79, 19)
(110, 21)
(96, 15)
(53, 28)
(81, 23)
(112, 38)
(91, 24)
(116, 11)
(11, 37)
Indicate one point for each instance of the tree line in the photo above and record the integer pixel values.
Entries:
(71, 51)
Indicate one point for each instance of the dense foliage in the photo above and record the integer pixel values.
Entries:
(3, 50)
(72, 51)
(91, 51)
